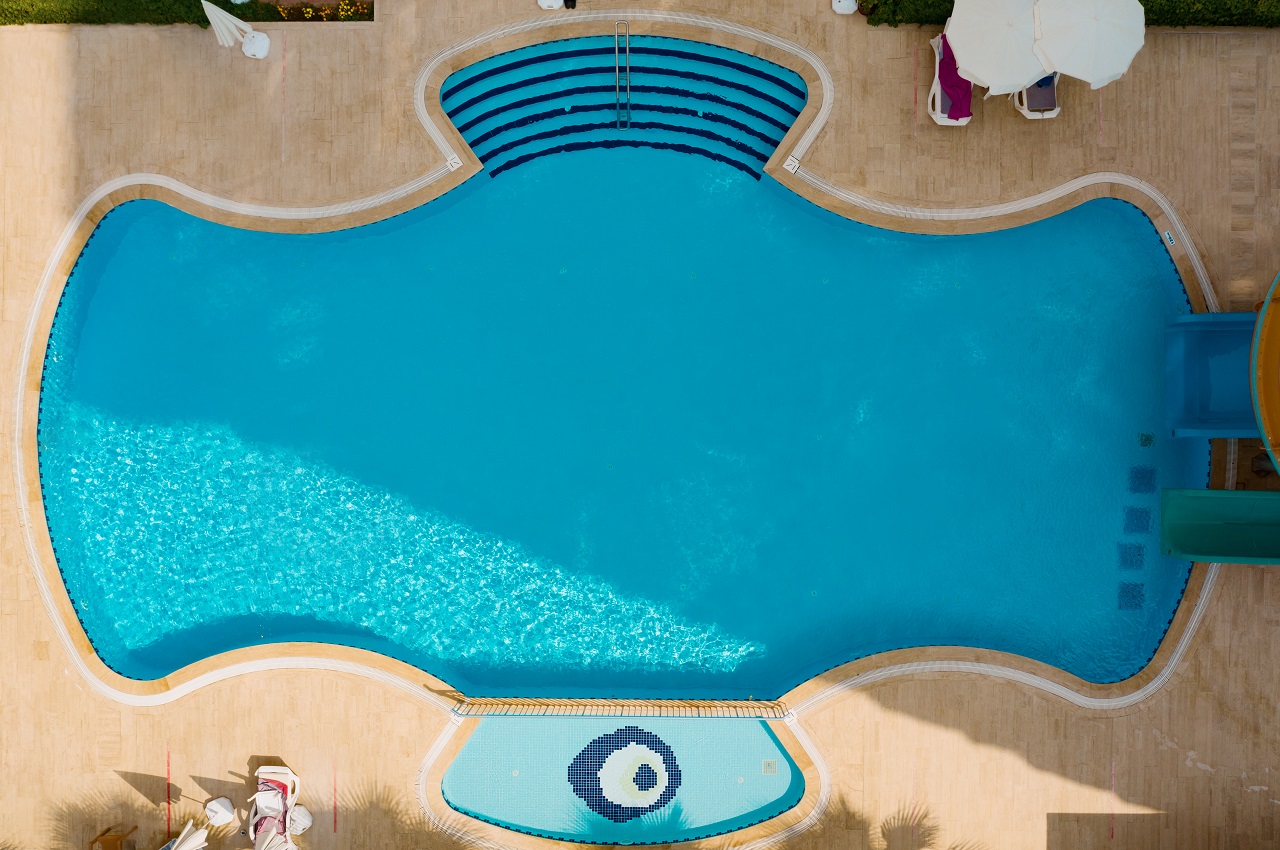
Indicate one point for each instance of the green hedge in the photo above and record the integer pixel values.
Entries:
(167, 11)
(1160, 13)
(894, 12)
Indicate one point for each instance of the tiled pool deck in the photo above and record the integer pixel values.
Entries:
(991, 762)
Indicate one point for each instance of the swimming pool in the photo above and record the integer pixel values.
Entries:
(618, 421)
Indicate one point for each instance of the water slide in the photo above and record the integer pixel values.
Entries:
(1231, 526)
(1220, 367)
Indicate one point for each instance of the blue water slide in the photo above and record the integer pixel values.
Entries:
(1228, 526)
(1207, 392)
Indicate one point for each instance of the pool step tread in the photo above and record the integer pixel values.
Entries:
(603, 90)
(561, 97)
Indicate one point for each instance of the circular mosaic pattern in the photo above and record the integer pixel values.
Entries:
(625, 774)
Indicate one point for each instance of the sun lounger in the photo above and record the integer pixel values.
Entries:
(271, 809)
(1039, 101)
(950, 94)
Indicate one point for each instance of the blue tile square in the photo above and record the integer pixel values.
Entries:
(1137, 520)
(1142, 479)
(1131, 555)
(1132, 596)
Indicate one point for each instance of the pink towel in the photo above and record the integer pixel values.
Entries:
(958, 89)
(280, 822)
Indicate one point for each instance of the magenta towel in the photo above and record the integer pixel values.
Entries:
(959, 90)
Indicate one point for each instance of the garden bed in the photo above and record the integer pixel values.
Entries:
(175, 11)
(1160, 13)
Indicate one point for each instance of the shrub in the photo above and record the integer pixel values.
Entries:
(171, 11)
(1213, 13)
(894, 12)
(1160, 13)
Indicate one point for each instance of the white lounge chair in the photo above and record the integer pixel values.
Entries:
(1036, 101)
(271, 809)
(939, 103)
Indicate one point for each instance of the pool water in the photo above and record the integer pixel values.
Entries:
(617, 422)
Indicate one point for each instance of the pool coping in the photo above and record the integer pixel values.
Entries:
(460, 164)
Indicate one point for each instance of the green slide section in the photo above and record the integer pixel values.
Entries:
(1232, 526)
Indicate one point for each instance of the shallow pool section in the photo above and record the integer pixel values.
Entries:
(615, 780)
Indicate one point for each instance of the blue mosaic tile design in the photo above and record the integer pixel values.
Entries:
(622, 775)
(586, 780)
(1142, 479)
(1131, 555)
(1132, 596)
(1137, 520)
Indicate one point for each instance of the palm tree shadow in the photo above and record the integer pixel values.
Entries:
(377, 816)
(915, 828)
(72, 825)
(911, 828)
(841, 826)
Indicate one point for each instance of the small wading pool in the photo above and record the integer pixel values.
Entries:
(611, 780)
(617, 421)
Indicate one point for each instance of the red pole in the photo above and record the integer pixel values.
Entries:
(915, 91)
(1112, 801)
(168, 796)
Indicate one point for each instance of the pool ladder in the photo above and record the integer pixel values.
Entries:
(622, 73)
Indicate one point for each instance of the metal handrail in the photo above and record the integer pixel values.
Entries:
(621, 37)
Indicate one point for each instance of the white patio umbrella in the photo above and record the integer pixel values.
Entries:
(229, 29)
(189, 839)
(1091, 40)
(991, 40)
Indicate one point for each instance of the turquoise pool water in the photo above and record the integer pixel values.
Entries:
(610, 780)
(617, 421)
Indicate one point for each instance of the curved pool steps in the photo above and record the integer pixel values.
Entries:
(687, 97)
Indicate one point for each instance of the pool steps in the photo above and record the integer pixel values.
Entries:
(667, 93)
